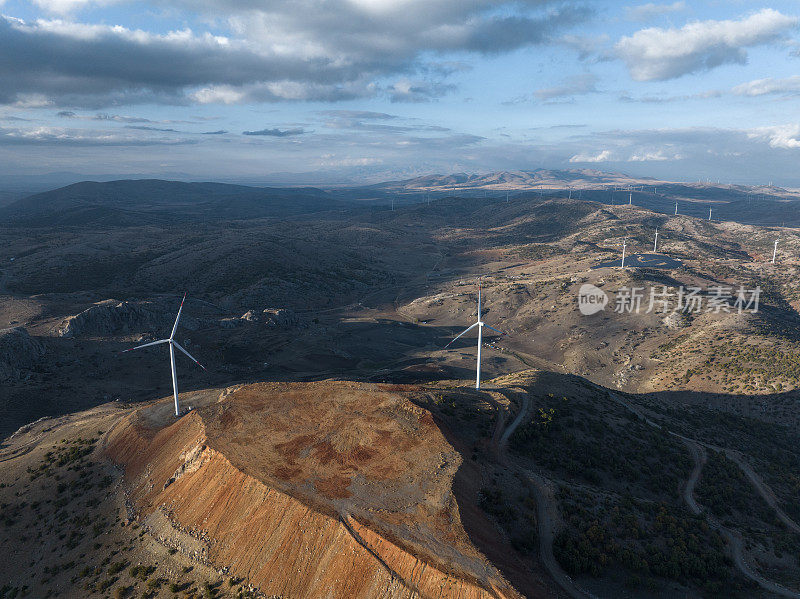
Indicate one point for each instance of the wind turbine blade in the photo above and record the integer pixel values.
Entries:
(178, 345)
(177, 318)
(494, 329)
(146, 345)
(467, 330)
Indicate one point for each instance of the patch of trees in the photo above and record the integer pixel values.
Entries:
(648, 541)
(774, 448)
(578, 442)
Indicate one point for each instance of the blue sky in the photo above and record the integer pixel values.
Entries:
(377, 89)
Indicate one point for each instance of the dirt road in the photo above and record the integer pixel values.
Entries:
(698, 451)
(735, 542)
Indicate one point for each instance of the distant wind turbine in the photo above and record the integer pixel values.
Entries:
(172, 345)
(709, 215)
(624, 247)
(655, 244)
(630, 199)
(775, 251)
(676, 208)
(480, 324)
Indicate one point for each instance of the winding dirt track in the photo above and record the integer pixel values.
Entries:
(734, 539)
(735, 542)
(547, 516)
(517, 421)
(762, 488)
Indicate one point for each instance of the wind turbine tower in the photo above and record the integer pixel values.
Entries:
(655, 244)
(480, 324)
(775, 251)
(676, 208)
(624, 247)
(172, 345)
(630, 199)
(709, 215)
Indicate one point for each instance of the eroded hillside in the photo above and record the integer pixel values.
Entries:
(349, 484)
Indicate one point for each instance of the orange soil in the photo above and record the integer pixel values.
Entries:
(328, 489)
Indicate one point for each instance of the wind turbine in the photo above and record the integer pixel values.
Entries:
(655, 243)
(624, 247)
(775, 251)
(676, 208)
(172, 345)
(480, 324)
(709, 215)
(630, 199)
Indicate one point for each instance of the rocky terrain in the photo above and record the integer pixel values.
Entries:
(19, 353)
(540, 485)
(349, 484)
(600, 459)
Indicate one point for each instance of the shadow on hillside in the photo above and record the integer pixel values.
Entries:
(703, 419)
(78, 374)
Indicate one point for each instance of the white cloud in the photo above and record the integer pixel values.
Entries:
(649, 11)
(60, 136)
(218, 94)
(32, 101)
(603, 156)
(656, 54)
(785, 137)
(761, 87)
(277, 51)
(656, 156)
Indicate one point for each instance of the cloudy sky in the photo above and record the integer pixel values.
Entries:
(207, 89)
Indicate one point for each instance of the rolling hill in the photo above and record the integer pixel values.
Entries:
(153, 201)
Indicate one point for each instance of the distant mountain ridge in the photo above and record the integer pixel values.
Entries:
(127, 203)
(518, 179)
(151, 201)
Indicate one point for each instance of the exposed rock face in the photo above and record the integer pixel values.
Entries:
(677, 320)
(334, 490)
(18, 352)
(110, 317)
(272, 317)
